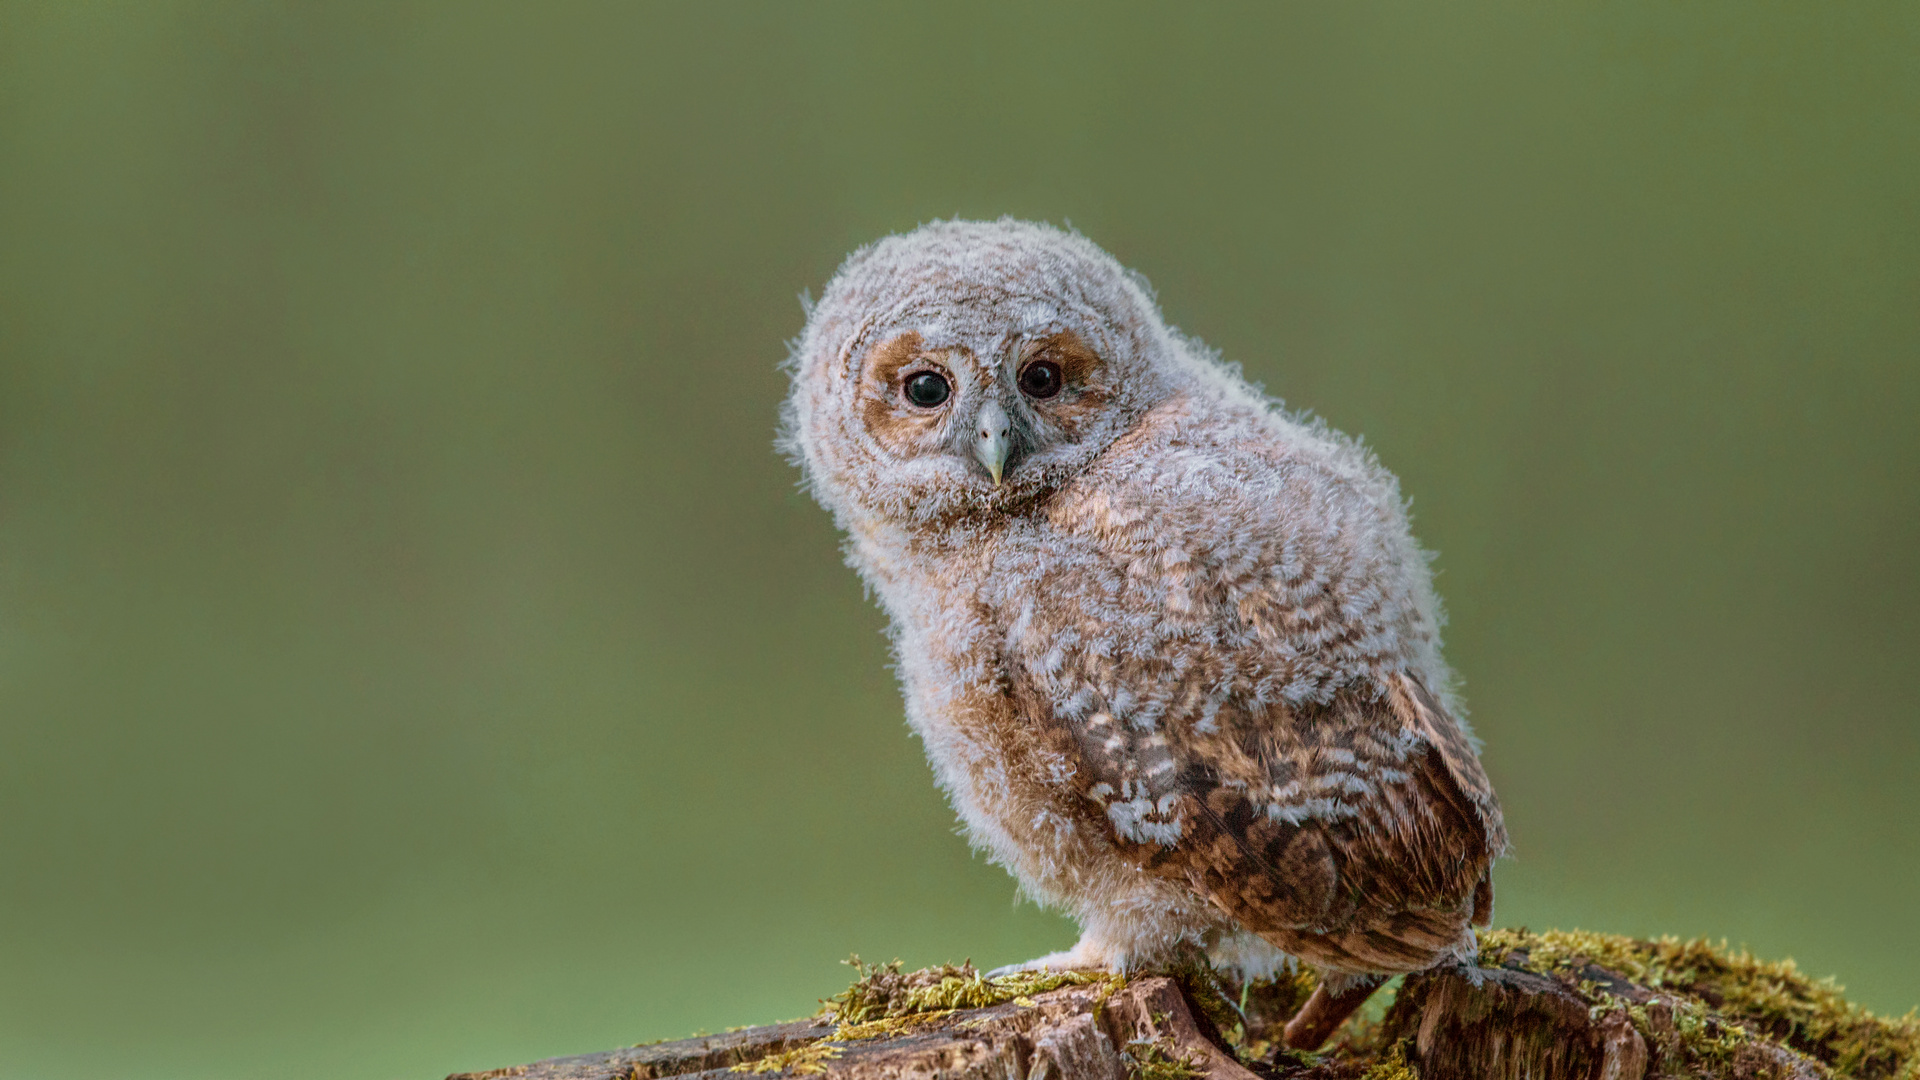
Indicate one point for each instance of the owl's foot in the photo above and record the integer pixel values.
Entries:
(1332, 1002)
(1088, 955)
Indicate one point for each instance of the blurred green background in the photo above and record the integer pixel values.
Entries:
(414, 657)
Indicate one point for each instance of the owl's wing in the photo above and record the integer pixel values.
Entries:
(1358, 834)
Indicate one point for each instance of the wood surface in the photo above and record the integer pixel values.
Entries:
(1476, 1024)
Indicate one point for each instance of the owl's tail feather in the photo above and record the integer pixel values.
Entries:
(1332, 1002)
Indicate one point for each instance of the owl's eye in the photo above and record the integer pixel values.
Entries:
(1040, 379)
(927, 389)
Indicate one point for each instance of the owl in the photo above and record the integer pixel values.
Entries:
(1172, 651)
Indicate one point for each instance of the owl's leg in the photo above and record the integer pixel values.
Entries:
(1335, 999)
(1132, 922)
(1090, 953)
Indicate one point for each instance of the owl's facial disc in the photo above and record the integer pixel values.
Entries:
(989, 418)
(922, 341)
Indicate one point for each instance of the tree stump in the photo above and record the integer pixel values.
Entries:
(1089, 1032)
(1538, 1006)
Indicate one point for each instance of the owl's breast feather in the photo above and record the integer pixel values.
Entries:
(1233, 527)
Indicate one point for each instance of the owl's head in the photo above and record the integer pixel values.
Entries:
(970, 368)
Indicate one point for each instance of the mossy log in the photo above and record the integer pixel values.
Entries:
(1555, 1006)
(1083, 1032)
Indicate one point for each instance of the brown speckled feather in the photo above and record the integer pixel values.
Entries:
(1191, 669)
(1387, 878)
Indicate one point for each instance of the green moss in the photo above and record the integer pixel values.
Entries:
(1159, 1059)
(802, 1060)
(1216, 996)
(1721, 998)
(888, 1027)
(1711, 1002)
(884, 990)
(885, 1001)
(1392, 1066)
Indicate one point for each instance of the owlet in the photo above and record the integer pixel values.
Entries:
(1173, 651)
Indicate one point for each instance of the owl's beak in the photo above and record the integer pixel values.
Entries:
(992, 435)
